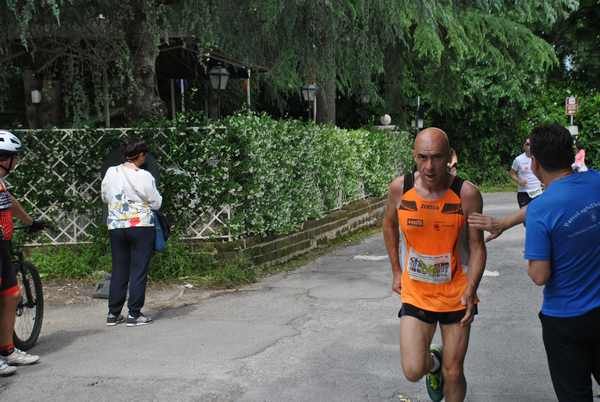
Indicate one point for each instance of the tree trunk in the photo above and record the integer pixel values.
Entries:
(326, 100)
(31, 112)
(144, 101)
(49, 110)
(327, 94)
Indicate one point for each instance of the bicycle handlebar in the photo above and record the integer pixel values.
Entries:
(36, 226)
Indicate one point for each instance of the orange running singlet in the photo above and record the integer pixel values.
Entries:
(434, 249)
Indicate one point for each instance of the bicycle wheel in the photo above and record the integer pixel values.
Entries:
(30, 309)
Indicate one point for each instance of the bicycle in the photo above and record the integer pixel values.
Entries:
(30, 307)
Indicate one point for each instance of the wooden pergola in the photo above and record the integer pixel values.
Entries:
(181, 60)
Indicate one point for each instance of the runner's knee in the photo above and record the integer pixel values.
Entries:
(413, 374)
(453, 374)
(10, 295)
(414, 370)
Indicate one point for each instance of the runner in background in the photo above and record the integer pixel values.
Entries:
(579, 164)
(529, 186)
(453, 164)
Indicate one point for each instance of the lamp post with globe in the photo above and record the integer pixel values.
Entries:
(309, 94)
(219, 77)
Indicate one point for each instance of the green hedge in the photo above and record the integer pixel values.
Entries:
(550, 108)
(275, 173)
(290, 171)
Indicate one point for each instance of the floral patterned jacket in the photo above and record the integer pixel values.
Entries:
(131, 196)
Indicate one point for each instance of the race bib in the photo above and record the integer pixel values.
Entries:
(534, 193)
(429, 268)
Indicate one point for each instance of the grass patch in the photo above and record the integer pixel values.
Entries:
(231, 274)
(203, 269)
(71, 262)
(179, 263)
(498, 187)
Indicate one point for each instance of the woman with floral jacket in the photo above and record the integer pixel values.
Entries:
(131, 195)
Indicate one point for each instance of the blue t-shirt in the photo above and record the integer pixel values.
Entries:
(563, 227)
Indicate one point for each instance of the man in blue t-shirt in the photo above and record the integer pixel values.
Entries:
(562, 244)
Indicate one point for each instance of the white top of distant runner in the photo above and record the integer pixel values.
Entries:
(522, 166)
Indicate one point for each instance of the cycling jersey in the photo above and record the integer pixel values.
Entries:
(8, 278)
(434, 249)
(6, 221)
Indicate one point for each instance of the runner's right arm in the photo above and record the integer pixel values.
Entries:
(391, 234)
(515, 177)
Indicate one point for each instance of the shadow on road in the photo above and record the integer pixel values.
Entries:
(58, 340)
(173, 312)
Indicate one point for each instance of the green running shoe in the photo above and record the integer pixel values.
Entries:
(434, 381)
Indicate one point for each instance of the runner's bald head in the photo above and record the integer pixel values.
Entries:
(433, 136)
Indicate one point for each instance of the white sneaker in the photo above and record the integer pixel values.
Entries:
(139, 320)
(20, 358)
(5, 369)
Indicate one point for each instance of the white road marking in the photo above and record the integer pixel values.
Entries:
(371, 257)
(491, 273)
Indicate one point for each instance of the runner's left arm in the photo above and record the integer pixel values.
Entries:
(472, 202)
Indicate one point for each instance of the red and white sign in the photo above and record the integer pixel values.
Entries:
(571, 105)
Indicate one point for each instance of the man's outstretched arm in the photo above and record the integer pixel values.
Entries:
(496, 226)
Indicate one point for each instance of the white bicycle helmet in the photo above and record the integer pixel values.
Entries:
(9, 143)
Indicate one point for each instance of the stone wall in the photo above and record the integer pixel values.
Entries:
(355, 216)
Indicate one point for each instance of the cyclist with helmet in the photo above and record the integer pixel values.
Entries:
(10, 146)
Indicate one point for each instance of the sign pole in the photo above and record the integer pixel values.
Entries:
(571, 108)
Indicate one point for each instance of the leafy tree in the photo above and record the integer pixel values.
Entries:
(576, 43)
(101, 39)
(445, 50)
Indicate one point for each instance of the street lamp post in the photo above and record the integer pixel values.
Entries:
(418, 118)
(219, 77)
(309, 94)
(36, 96)
(101, 23)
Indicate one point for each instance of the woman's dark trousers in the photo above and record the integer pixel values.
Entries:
(132, 249)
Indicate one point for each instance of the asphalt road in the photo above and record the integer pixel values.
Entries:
(325, 332)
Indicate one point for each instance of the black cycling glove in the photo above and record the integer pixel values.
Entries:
(37, 225)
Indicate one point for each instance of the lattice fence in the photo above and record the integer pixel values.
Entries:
(248, 176)
(59, 177)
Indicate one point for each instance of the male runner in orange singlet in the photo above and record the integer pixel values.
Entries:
(438, 268)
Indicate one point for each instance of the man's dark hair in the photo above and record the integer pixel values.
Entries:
(133, 148)
(552, 146)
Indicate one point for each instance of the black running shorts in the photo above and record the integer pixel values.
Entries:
(8, 275)
(523, 198)
(432, 317)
